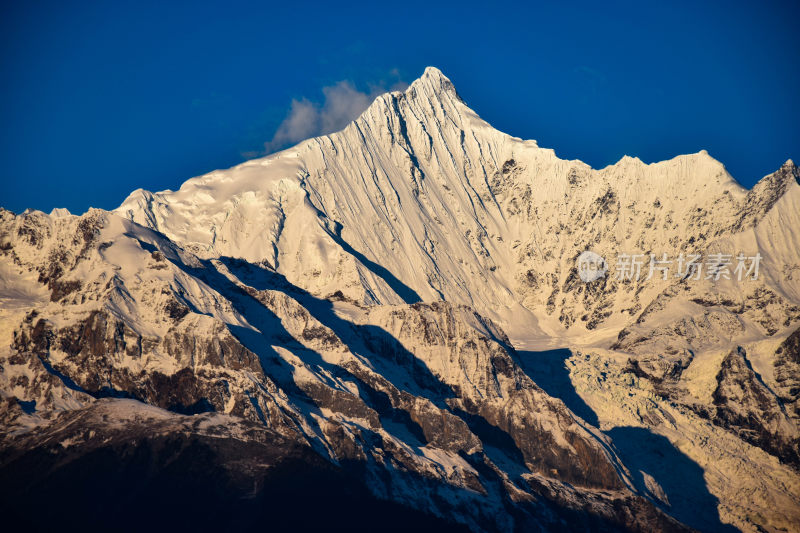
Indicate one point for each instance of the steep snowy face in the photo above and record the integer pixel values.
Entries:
(362, 210)
(421, 200)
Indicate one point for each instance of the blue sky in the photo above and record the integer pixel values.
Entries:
(100, 98)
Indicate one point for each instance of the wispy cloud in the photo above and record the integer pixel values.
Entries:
(342, 103)
(302, 122)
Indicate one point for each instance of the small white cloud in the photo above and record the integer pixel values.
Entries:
(301, 123)
(342, 104)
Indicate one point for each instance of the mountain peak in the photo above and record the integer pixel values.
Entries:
(790, 171)
(433, 80)
(434, 74)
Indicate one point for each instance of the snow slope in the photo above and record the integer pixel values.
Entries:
(420, 199)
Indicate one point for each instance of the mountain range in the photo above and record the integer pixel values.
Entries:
(386, 328)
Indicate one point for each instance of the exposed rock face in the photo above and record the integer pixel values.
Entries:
(350, 299)
(408, 397)
(745, 405)
(787, 374)
(496, 390)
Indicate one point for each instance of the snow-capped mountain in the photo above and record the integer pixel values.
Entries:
(401, 301)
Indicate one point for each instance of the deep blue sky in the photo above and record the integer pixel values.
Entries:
(99, 98)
